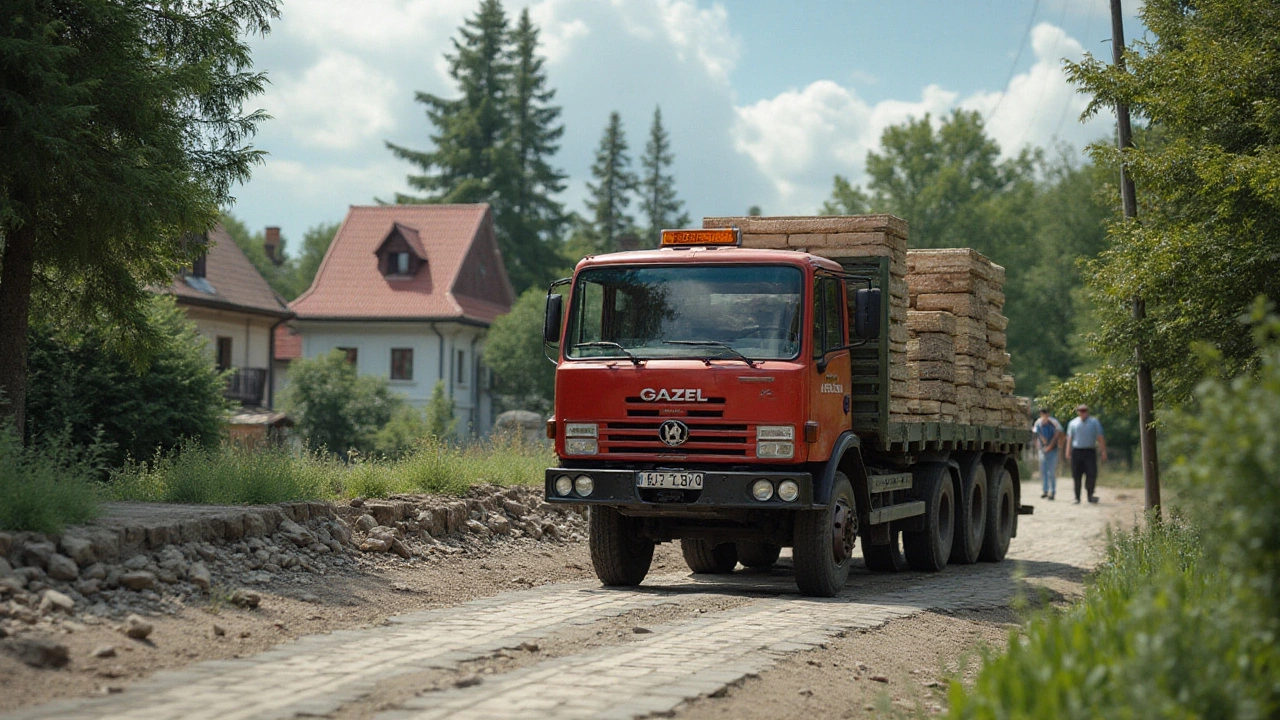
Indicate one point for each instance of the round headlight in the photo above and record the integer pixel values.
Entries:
(762, 490)
(584, 485)
(564, 485)
(788, 490)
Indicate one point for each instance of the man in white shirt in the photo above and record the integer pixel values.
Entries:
(1085, 444)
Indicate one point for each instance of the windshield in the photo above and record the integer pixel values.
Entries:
(727, 311)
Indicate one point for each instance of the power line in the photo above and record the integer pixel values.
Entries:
(1035, 7)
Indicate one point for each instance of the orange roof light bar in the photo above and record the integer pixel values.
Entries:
(711, 236)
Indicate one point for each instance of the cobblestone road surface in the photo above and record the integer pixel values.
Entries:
(318, 675)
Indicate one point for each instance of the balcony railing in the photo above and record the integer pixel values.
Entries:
(245, 385)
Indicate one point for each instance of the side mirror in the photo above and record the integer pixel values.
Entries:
(551, 322)
(866, 319)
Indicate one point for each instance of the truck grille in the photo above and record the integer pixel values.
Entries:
(705, 438)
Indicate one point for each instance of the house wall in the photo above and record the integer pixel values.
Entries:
(473, 405)
(250, 334)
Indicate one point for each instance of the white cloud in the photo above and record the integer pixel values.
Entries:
(336, 104)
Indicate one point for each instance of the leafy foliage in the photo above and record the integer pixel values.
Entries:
(46, 485)
(122, 130)
(85, 389)
(441, 422)
(610, 194)
(406, 428)
(335, 408)
(659, 204)
(1208, 186)
(522, 377)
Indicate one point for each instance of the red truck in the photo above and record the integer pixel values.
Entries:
(736, 400)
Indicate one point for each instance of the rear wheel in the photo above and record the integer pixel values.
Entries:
(619, 554)
(971, 515)
(758, 554)
(824, 542)
(929, 549)
(703, 557)
(885, 558)
(1002, 515)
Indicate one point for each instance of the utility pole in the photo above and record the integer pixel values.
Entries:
(1129, 200)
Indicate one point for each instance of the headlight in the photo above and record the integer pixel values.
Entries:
(788, 490)
(762, 490)
(581, 430)
(584, 485)
(775, 449)
(564, 485)
(580, 446)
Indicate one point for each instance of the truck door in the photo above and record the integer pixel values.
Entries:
(829, 397)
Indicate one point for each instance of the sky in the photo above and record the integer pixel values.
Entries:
(764, 100)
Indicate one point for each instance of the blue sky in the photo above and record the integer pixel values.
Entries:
(764, 101)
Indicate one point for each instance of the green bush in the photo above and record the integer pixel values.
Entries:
(522, 377)
(85, 384)
(335, 408)
(47, 485)
(406, 428)
(229, 475)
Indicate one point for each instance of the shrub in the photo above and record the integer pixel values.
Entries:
(230, 475)
(406, 427)
(47, 485)
(441, 422)
(82, 383)
(335, 408)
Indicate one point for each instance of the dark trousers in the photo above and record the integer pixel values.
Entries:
(1084, 461)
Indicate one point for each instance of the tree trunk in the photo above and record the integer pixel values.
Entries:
(15, 304)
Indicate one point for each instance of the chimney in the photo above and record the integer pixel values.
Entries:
(629, 241)
(272, 245)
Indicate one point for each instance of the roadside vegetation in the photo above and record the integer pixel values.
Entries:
(46, 485)
(1182, 617)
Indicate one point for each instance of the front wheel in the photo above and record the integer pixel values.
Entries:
(619, 554)
(824, 542)
(703, 557)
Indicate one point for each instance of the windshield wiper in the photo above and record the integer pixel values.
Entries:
(605, 343)
(715, 344)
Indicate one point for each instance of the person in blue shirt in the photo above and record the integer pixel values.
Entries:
(1048, 436)
(1085, 444)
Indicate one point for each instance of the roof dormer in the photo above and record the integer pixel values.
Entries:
(400, 254)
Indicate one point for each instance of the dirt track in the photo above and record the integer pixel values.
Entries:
(524, 631)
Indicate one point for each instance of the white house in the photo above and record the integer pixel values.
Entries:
(408, 292)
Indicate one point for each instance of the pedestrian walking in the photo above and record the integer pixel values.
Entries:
(1085, 445)
(1048, 437)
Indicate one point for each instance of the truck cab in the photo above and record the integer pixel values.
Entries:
(704, 394)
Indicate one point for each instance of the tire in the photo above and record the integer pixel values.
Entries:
(885, 558)
(929, 549)
(971, 513)
(822, 567)
(703, 557)
(758, 555)
(619, 554)
(1002, 516)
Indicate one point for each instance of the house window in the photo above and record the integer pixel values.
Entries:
(224, 353)
(462, 367)
(401, 363)
(353, 354)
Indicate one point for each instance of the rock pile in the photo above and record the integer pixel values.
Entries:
(96, 570)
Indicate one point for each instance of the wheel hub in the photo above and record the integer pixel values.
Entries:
(844, 530)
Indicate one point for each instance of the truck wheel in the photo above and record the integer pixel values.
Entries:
(971, 515)
(929, 549)
(885, 558)
(619, 554)
(824, 541)
(758, 554)
(703, 557)
(1002, 513)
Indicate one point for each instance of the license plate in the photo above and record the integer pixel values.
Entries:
(670, 480)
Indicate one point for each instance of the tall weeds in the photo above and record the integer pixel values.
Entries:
(47, 485)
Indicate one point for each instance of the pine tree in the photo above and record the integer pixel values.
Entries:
(468, 148)
(658, 201)
(611, 193)
(531, 219)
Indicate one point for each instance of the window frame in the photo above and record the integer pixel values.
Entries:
(405, 364)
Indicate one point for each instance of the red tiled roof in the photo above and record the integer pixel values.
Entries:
(454, 238)
(234, 281)
(288, 343)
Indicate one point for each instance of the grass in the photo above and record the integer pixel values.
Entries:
(46, 486)
(231, 475)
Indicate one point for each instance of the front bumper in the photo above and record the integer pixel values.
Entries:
(617, 488)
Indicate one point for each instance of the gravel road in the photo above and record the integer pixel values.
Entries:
(744, 645)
